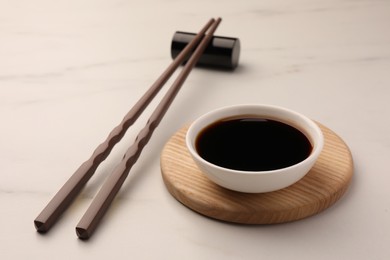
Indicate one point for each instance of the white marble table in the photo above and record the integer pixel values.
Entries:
(70, 70)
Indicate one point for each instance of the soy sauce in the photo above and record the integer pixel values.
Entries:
(250, 143)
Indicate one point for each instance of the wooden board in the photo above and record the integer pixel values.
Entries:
(320, 188)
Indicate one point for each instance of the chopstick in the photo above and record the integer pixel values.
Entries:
(63, 198)
(113, 183)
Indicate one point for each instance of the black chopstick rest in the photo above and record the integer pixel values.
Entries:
(222, 52)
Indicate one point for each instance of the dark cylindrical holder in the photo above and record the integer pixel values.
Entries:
(222, 52)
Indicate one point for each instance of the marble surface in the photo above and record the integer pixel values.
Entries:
(70, 70)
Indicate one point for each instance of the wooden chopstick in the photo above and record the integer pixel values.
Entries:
(113, 183)
(60, 202)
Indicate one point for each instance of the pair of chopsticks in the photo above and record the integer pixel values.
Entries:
(100, 204)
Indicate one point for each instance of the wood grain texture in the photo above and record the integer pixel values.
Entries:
(326, 182)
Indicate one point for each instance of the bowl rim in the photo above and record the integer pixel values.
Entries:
(317, 145)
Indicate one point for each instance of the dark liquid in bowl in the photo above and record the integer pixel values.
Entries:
(252, 144)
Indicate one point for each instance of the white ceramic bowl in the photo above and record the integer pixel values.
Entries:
(257, 181)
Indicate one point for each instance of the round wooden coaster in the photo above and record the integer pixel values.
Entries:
(320, 188)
